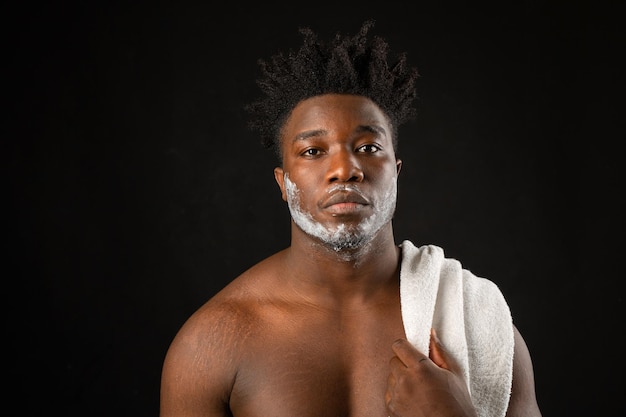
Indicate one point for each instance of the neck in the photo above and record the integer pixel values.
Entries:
(350, 273)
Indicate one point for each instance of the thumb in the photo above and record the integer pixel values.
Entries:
(437, 353)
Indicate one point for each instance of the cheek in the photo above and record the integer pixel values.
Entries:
(382, 173)
(302, 189)
(387, 184)
(301, 176)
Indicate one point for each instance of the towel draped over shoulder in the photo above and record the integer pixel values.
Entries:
(471, 317)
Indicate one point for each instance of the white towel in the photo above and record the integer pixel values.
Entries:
(471, 317)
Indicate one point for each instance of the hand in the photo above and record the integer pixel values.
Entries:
(420, 386)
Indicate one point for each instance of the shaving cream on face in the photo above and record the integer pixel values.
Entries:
(342, 236)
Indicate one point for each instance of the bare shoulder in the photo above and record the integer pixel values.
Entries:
(202, 360)
(229, 317)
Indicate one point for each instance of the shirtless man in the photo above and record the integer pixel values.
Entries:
(318, 329)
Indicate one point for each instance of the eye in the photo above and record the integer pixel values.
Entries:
(311, 152)
(369, 148)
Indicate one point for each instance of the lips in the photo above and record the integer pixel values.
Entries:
(344, 197)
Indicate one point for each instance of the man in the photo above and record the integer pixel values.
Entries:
(345, 322)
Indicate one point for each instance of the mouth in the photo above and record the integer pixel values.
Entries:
(345, 202)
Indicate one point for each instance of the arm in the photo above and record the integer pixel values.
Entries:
(523, 402)
(197, 373)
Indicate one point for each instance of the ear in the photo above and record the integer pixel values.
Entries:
(398, 166)
(279, 176)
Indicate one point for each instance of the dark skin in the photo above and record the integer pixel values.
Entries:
(315, 332)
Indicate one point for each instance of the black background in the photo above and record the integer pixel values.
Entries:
(135, 190)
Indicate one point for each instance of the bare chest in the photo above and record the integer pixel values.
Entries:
(318, 365)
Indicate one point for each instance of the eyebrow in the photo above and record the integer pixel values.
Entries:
(372, 128)
(320, 132)
(309, 134)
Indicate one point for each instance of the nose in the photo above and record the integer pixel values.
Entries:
(344, 167)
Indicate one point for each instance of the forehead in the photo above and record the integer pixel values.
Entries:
(335, 112)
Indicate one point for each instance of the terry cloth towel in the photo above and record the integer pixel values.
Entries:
(471, 317)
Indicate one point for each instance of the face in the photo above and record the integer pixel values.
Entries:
(339, 173)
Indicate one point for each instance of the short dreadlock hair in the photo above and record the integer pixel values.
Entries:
(346, 65)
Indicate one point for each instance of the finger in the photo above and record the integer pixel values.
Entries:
(407, 353)
(395, 364)
(440, 355)
(388, 392)
(391, 386)
(437, 352)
